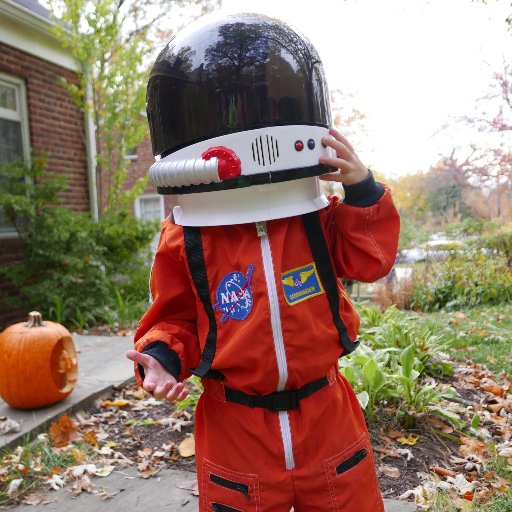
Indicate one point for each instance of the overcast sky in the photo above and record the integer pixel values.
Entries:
(412, 64)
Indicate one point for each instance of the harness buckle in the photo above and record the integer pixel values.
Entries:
(282, 401)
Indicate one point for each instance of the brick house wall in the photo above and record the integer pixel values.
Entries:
(55, 124)
(56, 127)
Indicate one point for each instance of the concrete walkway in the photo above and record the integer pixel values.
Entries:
(102, 366)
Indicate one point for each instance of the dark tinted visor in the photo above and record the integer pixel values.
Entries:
(232, 77)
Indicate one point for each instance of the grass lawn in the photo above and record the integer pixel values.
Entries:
(483, 334)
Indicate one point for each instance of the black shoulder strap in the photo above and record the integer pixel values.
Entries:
(320, 251)
(196, 263)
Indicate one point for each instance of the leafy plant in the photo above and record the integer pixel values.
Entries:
(395, 363)
(195, 388)
(418, 397)
(368, 372)
(71, 266)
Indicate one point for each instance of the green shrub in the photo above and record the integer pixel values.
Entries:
(74, 270)
(470, 278)
(499, 244)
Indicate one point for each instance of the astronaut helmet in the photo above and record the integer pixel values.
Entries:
(237, 105)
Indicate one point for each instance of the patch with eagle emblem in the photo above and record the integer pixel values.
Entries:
(301, 284)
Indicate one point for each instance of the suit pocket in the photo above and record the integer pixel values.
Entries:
(352, 481)
(224, 490)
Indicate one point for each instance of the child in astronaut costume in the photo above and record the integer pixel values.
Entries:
(245, 282)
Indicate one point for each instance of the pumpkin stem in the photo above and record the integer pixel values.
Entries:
(34, 319)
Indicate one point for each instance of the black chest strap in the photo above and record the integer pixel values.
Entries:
(322, 257)
(197, 265)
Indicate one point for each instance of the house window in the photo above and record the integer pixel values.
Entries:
(14, 137)
(150, 207)
(131, 153)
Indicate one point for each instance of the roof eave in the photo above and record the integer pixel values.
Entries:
(21, 14)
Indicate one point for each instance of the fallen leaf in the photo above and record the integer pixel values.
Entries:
(461, 484)
(146, 469)
(411, 439)
(64, 431)
(78, 455)
(35, 498)
(390, 471)
(140, 394)
(187, 447)
(437, 422)
(506, 452)
(83, 421)
(174, 423)
(14, 485)
(7, 426)
(168, 446)
(82, 483)
(468, 495)
(91, 437)
(406, 452)
(55, 482)
(387, 452)
(394, 434)
(105, 495)
(116, 403)
(443, 471)
(471, 446)
(104, 471)
(145, 453)
(189, 485)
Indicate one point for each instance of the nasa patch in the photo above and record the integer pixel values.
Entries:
(234, 295)
(301, 283)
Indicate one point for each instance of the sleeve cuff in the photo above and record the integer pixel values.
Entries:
(167, 357)
(365, 193)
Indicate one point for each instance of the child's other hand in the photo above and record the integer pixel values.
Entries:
(157, 380)
(351, 170)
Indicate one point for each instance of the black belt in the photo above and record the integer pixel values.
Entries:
(278, 401)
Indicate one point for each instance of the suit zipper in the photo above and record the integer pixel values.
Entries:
(277, 332)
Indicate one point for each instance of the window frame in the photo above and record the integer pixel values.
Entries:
(134, 155)
(20, 115)
(137, 206)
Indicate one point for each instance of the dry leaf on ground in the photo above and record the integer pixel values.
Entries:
(390, 471)
(189, 485)
(187, 447)
(64, 431)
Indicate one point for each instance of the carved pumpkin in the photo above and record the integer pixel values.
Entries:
(38, 364)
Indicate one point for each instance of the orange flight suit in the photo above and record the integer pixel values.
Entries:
(274, 332)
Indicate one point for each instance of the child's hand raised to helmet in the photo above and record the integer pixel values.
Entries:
(351, 170)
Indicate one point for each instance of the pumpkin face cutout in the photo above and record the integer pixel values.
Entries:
(38, 363)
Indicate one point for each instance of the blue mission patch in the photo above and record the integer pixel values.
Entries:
(234, 295)
(301, 284)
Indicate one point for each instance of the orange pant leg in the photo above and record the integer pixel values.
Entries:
(241, 460)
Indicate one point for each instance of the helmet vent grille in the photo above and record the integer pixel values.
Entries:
(265, 150)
